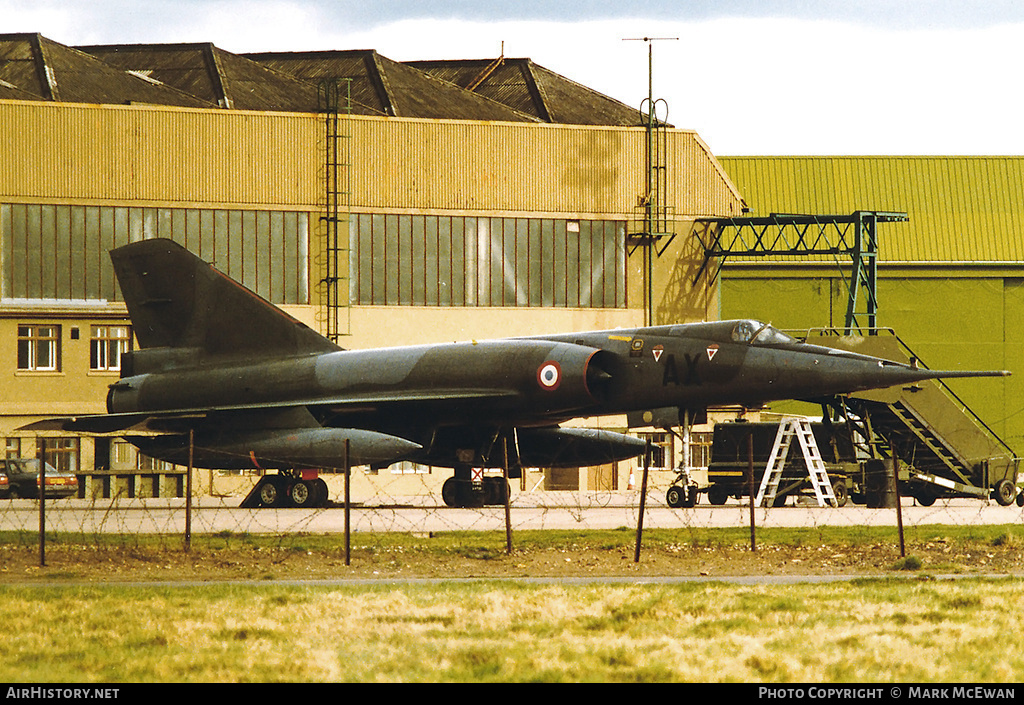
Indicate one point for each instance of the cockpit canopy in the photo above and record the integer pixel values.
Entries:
(757, 333)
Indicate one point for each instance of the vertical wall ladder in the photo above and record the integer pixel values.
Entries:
(334, 100)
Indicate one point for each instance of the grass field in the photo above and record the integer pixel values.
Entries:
(861, 631)
(73, 622)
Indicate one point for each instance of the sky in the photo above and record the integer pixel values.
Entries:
(752, 77)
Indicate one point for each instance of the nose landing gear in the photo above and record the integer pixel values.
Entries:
(683, 493)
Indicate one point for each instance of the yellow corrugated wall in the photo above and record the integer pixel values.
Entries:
(62, 152)
(66, 152)
(962, 209)
(523, 168)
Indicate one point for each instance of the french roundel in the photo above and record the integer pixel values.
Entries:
(549, 375)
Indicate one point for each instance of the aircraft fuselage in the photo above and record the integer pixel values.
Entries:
(516, 382)
(228, 380)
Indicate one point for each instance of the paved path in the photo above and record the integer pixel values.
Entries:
(540, 510)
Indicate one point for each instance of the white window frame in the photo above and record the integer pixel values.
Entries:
(107, 344)
(39, 347)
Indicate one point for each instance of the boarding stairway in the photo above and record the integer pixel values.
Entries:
(947, 450)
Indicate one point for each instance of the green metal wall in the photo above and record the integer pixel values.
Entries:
(950, 323)
(962, 209)
(951, 281)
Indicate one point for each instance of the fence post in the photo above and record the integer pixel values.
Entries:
(348, 504)
(643, 498)
(42, 502)
(188, 492)
(506, 490)
(750, 489)
(899, 504)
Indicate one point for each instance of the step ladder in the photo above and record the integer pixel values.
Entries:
(800, 428)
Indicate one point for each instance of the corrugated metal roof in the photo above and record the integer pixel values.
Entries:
(201, 75)
(369, 97)
(962, 209)
(215, 75)
(51, 71)
(534, 90)
(381, 86)
(9, 92)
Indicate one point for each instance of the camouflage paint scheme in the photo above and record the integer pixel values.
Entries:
(259, 388)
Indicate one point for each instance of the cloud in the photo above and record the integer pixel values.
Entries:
(923, 77)
(769, 86)
(288, 22)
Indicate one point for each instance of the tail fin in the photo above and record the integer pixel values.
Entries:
(176, 300)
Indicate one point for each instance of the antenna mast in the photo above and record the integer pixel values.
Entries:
(654, 201)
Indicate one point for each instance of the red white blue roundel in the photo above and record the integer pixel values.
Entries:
(549, 375)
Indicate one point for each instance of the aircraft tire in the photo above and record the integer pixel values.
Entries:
(322, 493)
(675, 497)
(461, 494)
(450, 492)
(496, 489)
(1005, 492)
(1020, 499)
(271, 494)
(302, 494)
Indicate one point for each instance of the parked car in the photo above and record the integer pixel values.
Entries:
(4, 485)
(23, 479)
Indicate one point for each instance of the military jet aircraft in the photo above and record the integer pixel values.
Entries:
(258, 389)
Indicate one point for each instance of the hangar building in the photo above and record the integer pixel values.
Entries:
(950, 279)
(478, 199)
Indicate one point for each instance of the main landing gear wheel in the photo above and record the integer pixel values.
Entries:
(287, 490)
(495, 490)
(450, 492)
(460, 493)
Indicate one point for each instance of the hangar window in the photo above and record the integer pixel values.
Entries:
(60, 252)
(429, 260)
(39, 348)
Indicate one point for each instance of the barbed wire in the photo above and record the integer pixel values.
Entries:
(413, 504)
